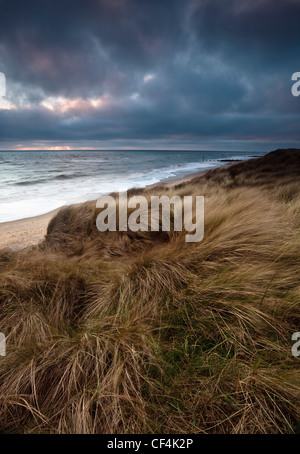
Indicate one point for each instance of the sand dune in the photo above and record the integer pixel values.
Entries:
(141, 332)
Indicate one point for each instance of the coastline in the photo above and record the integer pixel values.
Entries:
(22, 233)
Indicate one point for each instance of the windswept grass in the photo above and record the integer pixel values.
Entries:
(123, 332)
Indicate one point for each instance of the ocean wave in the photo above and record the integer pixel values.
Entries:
(56, 177)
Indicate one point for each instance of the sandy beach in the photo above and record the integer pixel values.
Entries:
(22, 233)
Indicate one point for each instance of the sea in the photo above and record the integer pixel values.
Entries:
(36, 182)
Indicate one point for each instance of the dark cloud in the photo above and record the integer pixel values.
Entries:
(148, 70)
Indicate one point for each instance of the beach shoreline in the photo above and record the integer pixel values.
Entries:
(25, 232)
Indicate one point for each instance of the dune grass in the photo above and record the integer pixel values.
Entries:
(122, 332)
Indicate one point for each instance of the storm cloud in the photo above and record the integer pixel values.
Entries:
(105, 72)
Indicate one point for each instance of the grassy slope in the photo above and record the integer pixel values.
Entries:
(144, 333)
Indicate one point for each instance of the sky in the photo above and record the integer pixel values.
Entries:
(149, 74)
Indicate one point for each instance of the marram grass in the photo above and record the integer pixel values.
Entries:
(145, 333)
